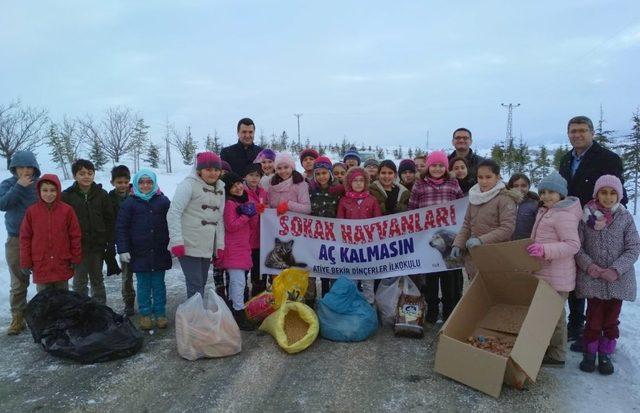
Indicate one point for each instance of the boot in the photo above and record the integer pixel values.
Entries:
(606, 347)
(17, 324)
(574, 331)
(146, 323)
(161, 322)
(243, 322)
(588, 363)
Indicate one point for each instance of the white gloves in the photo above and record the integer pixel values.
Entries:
(125, 257)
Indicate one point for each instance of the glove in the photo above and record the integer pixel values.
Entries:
(248, 209)
(594, 271)
(609, 274)
(283, 207)
(473, 242)
(456, 253)
(217, 261)
(536, 250)
(260, 208)
(112, 265)
(125, 257)
(178, 251)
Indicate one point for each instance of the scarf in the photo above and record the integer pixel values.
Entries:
(596, 216)
(434, 181)
(357, 195)
(476, 197)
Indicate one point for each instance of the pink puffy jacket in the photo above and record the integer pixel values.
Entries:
(237, 251)
(556, 228)
(297, 196)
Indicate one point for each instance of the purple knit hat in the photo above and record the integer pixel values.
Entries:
(266, 153)
(611, 181)
(225, 166)
(208, 160)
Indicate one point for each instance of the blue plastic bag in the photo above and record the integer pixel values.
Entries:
(344, 314)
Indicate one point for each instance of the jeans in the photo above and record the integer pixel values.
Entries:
(152, 293)
(19, 281)
(196, 272)
(90, 272)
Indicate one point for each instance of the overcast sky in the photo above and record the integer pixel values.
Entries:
(376, 72)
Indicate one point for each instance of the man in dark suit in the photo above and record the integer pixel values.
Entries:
(242, 153)
(581, 167)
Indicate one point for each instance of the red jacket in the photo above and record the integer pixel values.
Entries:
(50, 238)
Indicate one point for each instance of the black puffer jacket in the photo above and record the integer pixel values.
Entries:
(95, 214)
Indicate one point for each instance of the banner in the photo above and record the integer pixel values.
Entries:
(412, 242)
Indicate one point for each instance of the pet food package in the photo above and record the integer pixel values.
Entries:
(294, 326)
(410, 311)
(290, 285)
(345, 315)
(206, 327)
(260, 307)
(387, 298)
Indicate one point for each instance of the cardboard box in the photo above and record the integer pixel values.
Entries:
(503, 300)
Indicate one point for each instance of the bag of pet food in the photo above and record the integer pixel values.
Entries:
(345, 315)
(206, 327)
(260, 307)
(410, 313)
(290, 285)
(294, 326)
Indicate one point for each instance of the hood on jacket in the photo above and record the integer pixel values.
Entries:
(54, 180)
(349, 178)
(514, 194)
(24, 159)
(570, 204)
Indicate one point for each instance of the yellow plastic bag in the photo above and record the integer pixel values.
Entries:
(291, 285)
(294, 325)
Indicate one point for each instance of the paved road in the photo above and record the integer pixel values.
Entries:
(384, 373)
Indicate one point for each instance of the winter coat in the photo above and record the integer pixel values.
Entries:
(195, 216)
(526, 216)
(116, 201)
(239, 156)
(265, 182)
(142, 231)
(324, 202)
(15, 198)
(50, 238)
(556, 228)
(617, 246)
(472, 159)
(426, 193)
(237, 252)
(259, 196)
(351, 208)
(296, 195)
(597, 161)
(95, 214)
(492, 222)
(466, 184)
(380, 194)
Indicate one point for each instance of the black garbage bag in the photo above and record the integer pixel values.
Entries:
(72, 326)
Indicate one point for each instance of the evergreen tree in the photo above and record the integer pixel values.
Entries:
(153, 155)
(631, 160)
(558, 153)
(54, 141)
(542, 165)
(186, 145)
(602, 136)
(97, 154)
(410, 153)
(138, 142)
(213, 144)
(400, 153)
(521, 158)
(497, 153)
(380, 152)
(262, 140)
(283, 142)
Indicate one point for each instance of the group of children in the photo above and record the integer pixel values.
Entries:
(214, 218)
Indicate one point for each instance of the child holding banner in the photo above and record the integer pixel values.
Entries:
(490, 217)
(358, 203)
(435, 187)
(325, 193)
(391, 196)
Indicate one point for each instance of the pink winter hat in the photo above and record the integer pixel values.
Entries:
(611, 181)
(284, 157)
(437, 157)
(207, 160)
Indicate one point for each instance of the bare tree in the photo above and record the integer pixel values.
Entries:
(119, 126)
(21, 128)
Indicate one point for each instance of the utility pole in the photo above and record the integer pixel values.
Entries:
(297, 115)
(510, 108)
(427, 141)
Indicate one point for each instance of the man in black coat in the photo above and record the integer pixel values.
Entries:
(581, 167)
(462, 141)
(241, 154)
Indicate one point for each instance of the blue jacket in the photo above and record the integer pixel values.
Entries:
(15, 198)
(526, 216)
(142, 231)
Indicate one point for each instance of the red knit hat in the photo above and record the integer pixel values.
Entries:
(438, 157)
(309, 152)
(208, 160)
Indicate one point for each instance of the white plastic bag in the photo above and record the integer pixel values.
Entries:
(206, 328)
(387, 296)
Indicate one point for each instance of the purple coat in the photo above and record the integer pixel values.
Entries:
(617, 246)
(237, 231)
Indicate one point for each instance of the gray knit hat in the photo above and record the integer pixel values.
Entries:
(371, 162)
(554, 182)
